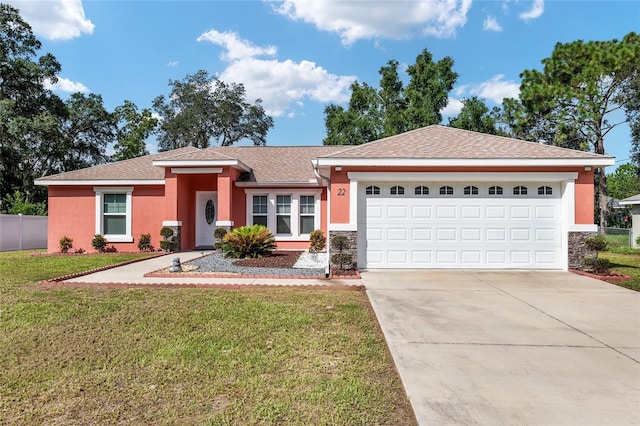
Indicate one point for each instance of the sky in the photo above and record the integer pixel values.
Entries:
(299, 56)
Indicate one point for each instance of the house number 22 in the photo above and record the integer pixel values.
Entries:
(342, 192)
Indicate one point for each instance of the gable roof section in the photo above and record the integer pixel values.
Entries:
(446, 146)
(631, 201)
(139, 170)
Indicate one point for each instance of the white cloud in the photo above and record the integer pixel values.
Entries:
(496, 89)
(355, 20)
(55, 19)
(282, 85)
(491, 24)
(66, 85)
(536, 10)
(454, 106)
(173, 64)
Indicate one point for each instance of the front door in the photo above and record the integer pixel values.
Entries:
(206, 215)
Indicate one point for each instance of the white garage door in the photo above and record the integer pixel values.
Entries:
(427, 225)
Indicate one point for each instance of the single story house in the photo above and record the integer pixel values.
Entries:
(435, 197)
(634, 202)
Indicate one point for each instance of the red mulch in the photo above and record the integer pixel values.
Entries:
(605, 276)
(278, 259)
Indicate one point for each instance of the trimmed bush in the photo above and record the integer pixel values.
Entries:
(248, 241)
(166, 232)
(339, 243)
(167, 245)
(342, 260)
(317, 241)
(144, 243)
(598, 243)
(99, 243)
(219, 233)
(596, 265)
(66, 243)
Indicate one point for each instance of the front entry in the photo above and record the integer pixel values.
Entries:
(206, 214)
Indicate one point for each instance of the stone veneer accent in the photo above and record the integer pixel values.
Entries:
(578, 250)
(352, 249)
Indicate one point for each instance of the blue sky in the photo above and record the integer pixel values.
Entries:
(301, 55)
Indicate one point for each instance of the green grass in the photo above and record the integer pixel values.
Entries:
(616, 241)
(625, 262)
(188, 356)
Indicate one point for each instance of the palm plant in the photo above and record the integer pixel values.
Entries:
(248, 241)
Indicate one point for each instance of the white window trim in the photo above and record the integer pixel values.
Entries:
(100, 191)
(295, 211)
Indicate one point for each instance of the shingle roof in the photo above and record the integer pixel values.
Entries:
(634, 199)
(441, 142)
(140, 168)
(292, 164)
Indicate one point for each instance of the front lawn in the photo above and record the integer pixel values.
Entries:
(625, 262)
(188, 356)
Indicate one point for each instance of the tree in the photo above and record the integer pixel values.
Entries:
(476, 116)
(134, 128)
(202, 110)
(18, 204)
(393, 108)
(623, 183)
(581, 88)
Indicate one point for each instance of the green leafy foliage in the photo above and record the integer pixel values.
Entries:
(248, 241)
(596, 264)
(66, 243)
(134, 128)
(340, 243)
(317, 241)
(167, 245)
(166, 232)
(202, 110)
(144, 243)
(18, 204)
(376, 113)
(99, 243)
(597, 243)
(477, 117)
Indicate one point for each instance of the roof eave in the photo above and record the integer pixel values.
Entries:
(98, 182)
(202, 163)
(463, 162)
(312, 183)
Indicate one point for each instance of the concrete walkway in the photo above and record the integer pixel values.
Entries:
(511, 347)
(133, 274)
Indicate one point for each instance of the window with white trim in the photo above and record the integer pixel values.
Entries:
(495, 190)
(397, 190)
(545, 190)
(113, 213)
(520, 190)
(307, 213)
(283, 214)
(259, 210)
(290, 216)
(421, 190)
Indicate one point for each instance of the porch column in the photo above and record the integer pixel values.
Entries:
(225, 198)
(171, 207)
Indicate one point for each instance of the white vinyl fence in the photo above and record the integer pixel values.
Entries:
(20, 232)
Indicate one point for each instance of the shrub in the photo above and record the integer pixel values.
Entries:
(110, 249)
(596, 265)
(79, 251)
(219, 233)
(598, 243)
(638, 240)
(248, 241)
(167, 245)
(166, 232)
(66, 243)
(342, 260)
(144, 243)
(99, 243)
(339, 243)
(317, 241)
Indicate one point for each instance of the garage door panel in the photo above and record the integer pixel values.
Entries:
(474, 231)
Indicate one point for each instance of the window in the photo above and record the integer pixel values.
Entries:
(283, 214)
(495, 190)
(545, 190)
(397, 190)
(520, 190)
(113, 214)
(372, 190)
(260, 210)
(470, 190)
(421, 190)
(307, 213)
(446, 190)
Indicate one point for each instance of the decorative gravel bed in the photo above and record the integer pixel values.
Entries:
(272, 265)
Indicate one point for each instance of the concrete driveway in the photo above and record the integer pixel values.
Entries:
(511, 347)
